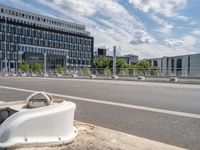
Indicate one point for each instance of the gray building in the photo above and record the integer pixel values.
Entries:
(101, 52)
(31, 37)
(184, 65)
(130, 58)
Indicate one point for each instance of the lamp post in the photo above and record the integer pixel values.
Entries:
(5, 54)
(114, 60)
(45, 63)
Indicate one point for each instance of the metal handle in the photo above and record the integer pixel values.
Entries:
(48, 98)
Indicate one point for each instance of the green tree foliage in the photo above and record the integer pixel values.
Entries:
(143, 64)
(36, 68)
(142, 67)
(23, 66)
(106, 62)
(60, 69)
(121, 63)
(101, 62)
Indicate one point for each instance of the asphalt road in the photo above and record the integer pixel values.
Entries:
(171, 128)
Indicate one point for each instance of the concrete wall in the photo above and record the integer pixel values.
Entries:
(195, 65)
(185, 66)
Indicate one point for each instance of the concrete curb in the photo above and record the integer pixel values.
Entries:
(92, 137)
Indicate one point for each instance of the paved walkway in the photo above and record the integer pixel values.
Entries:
(92, 137)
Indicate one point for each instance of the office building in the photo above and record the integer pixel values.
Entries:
(31, 37)
(184, 65)
(130, 59)
(101, 52)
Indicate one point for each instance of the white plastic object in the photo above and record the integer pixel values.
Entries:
(50, 124)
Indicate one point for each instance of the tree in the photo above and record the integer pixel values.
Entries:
(36, 67)
(143, 64)
(142, 67)
(101, 62)
(23, 66)
(121, 63)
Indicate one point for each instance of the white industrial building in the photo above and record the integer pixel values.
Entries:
(184, 65)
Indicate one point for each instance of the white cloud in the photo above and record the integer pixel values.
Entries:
(165, 7)
(189, 40)
(184, 42)
(184, 18)
(174, 42)
(142, 37)
(165, 26)
(196, 32)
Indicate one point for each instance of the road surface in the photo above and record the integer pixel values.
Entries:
(164, 112)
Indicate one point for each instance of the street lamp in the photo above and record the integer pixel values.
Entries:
(5, 54)
(114, 60)
(45, 63)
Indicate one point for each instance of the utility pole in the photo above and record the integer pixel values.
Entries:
(114, 60)
(45, 63)
(5, 54)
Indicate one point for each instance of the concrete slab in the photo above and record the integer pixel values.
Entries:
(92, 137)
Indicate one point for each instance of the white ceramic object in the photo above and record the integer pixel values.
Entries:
(48, 122)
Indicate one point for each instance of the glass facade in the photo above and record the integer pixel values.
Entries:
(19, 37)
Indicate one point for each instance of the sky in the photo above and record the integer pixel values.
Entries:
(147, 28)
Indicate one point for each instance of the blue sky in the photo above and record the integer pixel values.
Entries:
(148, 28)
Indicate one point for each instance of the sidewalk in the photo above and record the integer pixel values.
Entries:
(92, 137)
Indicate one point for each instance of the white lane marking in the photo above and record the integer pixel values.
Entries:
(169, 112)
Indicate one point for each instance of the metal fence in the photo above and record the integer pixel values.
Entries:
(129, 72)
